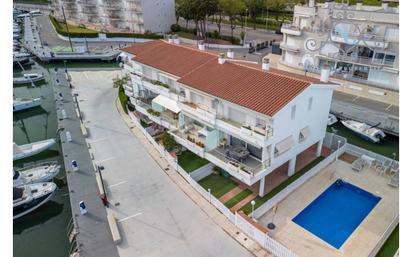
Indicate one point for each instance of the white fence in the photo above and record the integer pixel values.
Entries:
(357, 151)
(262, 238)
(202, 172)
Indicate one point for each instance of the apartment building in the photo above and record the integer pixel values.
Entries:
(245, 118)
(360, 44)
(136, 16)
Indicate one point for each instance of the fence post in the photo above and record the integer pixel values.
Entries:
(210, 195)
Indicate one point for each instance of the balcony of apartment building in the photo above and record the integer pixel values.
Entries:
(226, 151)
(289, 47)
(256, 135)
(291, 29)
(378, 61)
(362, 39)
(90, 3)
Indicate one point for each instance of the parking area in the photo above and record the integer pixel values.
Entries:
(155, 217)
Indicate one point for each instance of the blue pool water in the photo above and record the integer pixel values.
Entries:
(337, 212)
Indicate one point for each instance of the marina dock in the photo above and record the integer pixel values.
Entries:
(91, 230)
(33, 43)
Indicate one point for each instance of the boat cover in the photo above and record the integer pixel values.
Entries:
(17, 193)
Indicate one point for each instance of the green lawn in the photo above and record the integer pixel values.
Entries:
(389, 145)
(190, 161)
(239, 197)
(218, 184)
(391, 245)
(75, 29)
(261, 200)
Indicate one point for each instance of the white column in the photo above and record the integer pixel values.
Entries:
(319, 148)
(291, 166)
(262, 187)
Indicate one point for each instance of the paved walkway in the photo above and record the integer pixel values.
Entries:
(155, 217)
(93, 238)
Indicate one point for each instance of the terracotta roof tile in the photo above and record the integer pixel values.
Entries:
(244, 84)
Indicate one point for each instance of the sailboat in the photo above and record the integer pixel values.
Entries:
(35, 174)
(28, 78)
(27, 150)
(29, 197)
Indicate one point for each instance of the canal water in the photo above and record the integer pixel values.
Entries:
(43, 233)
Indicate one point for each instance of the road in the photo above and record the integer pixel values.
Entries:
(250, 35)
(155, 217)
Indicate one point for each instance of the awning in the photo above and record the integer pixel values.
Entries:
(166, 103)
(284, 145)
(304, 133)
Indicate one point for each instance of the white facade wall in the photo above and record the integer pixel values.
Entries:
(158, 15)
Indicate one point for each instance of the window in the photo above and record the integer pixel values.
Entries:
(293, 112)
(310, 103)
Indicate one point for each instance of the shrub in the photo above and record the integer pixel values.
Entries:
(63, 31)
(123, 99)
(147, 35)
(168, 142)
(175, 28)
(153, 112)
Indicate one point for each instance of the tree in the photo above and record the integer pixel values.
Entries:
(185, 10)
(254, 7)
(232, 8)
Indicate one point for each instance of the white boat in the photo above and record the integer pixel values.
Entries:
(20, 104)
(28, 78)
(16, 36)
(16, 30)
(29, 197)
(23, 15)
(27, 150)
(35, 12)
(35, 174)
(365, 131)
(21, 54)
(332, 119)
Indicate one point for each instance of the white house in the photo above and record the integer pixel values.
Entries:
(246, 118)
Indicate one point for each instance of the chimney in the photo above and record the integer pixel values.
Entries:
(221, 58)
(265, 64)
(311, 3)
(230, 54)
(359, 5)
(169, 39)
(201, 45)
(324, 74)
(176, 40)
(385, 4)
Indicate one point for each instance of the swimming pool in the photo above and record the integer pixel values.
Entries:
(337, 212)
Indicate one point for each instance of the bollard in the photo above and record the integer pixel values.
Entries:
(82, 206)
(75, 167)
(68, 136)
(64, 114)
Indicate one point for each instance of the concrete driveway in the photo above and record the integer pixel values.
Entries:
(155, 217)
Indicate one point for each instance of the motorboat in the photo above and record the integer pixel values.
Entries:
(17, 54)
(28, 78)
(22, 61)
(332, 119)
(35, 174)
(35, 13)
(16, 30)
(20, 104)
(28, 198)
(365, 131)
(16, 36)
(27, 150)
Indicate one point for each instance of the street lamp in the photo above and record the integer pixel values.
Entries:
(253, 207)
(394, 157)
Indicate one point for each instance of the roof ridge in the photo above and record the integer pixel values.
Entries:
(273, 73)
(190, 48)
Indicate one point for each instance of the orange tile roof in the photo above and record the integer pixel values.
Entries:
(244, 84)
(174, 59)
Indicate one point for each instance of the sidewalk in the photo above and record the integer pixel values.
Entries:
(207, 208)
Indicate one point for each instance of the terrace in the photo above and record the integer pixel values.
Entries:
(364, 241)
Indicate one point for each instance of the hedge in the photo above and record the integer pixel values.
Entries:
(63, 31)
(133, 35)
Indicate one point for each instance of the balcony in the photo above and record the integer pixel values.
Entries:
(358, 60)
(367, 39)
(287, 47)
(252, 135)
(164, 118)
(190, 141)
(198, 113)
(291, 29)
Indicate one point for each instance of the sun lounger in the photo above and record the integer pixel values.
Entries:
(394, 181)
(358, 165)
